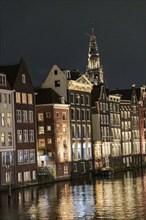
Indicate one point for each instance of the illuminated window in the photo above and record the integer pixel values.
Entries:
(2, 119)
(9, 139)
(18, 116)
(84, 151)
(30, 116)
(26, 156)
(79, 150)
(32, 156)
(48, 127)
(25, 135)
(49, 141)
(20, 156)
(3, 139)
(9, 118)
(27, 176)
(41, 130)
(74, 154)
(7, 158)
(31, 135)
(2, 79)
(77, 99)
(20, 177)
(25, 119)
(88, 131)
(19, 136)
(23, 79)
(64, 128)
(40, 117)
(89, 150)
(30, 102)
(65, 169)
(24, 100)
(34, 174)
(41, 143)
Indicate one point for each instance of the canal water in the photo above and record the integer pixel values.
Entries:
(121, 197)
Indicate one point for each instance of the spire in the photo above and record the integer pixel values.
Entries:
(94, 68)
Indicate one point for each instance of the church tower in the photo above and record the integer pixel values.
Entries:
(94, 70)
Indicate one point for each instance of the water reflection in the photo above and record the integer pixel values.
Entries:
(123, 197)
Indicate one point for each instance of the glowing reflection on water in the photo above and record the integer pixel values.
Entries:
(122, 197)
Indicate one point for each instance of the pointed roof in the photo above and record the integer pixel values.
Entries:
(47, 96)
(12, 70)
(93, 48)
(126, 93)
(96, 92)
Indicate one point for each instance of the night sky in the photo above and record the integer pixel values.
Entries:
(54, 32)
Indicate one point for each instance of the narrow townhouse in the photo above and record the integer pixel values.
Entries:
(25, 160)
(53, 133)
(75, 88)
(7, 133)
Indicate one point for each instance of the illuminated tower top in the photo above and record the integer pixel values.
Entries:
(94, 68)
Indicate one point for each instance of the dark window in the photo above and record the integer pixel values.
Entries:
(57, 83)
(77, 99)
(72, 98)
(55, 72)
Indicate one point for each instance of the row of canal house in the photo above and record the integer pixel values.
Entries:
(70, 146)
(18, 155)
(120, 140)
(72, 124)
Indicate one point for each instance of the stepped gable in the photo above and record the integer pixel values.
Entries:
(47, 96)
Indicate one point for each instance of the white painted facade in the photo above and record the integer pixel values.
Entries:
(7, 125)
(57, 75)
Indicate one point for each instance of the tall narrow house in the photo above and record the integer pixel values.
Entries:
(75, 89)
(20, 84)
(7, 132)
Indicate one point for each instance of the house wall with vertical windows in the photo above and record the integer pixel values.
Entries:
(24, 124)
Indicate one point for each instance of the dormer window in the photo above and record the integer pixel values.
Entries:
(23, 78)
(3, 79)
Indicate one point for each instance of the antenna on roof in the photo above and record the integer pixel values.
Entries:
(92, 27)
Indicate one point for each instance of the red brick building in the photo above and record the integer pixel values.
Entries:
(25, 162)
(53, 133)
